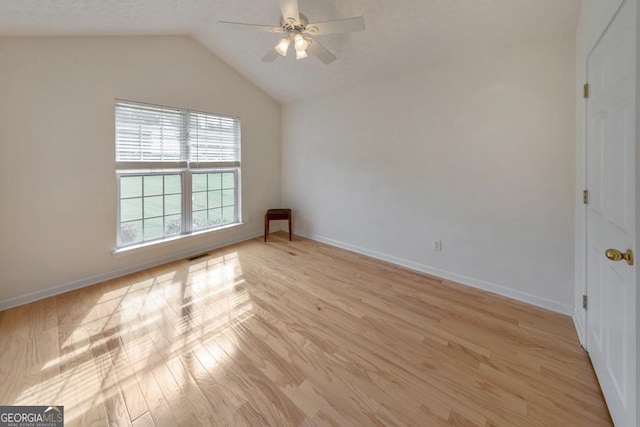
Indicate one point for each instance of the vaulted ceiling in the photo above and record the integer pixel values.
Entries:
(401, 35)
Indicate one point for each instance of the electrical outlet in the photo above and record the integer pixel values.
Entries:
(437, 245)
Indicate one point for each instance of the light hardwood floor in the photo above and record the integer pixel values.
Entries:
(295, 333)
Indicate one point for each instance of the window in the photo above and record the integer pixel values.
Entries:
(177, 171)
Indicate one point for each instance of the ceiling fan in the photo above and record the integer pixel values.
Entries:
(299, 31)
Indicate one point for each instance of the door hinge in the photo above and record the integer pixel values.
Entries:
(584, 302)
(585, 197)
(586, 90)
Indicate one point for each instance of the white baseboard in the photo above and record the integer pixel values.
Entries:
(454, 277)
(278, 225)
(60, 289)
(580, 329)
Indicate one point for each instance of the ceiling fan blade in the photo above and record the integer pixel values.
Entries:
(251, 27)
(319, 51)
(289, 9)
(339, 26)
(271, 56)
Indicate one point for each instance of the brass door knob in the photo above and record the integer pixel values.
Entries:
(616, 255)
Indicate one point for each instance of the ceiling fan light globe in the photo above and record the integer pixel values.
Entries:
(283, 46)
(300, 43)
(301, 54)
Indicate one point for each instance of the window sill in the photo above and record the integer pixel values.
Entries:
(169, 241)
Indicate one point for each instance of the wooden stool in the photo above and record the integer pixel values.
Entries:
(276, 214)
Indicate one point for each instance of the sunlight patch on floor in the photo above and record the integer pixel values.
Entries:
(140, 325)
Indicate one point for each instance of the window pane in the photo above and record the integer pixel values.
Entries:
(172, 204)
(130, 186)
(172, 184)
(228, 215)
(153, 185)
(199, 182)
(215, 217)
(228, 197)
(153, 206)
(228, 180)
(215, 199)
(215, 181)
(199, 201)
(172, 225)
(130, 209)
(153, 228)
(130, 232)
(217, 206)
(153, 216)
(199, 220)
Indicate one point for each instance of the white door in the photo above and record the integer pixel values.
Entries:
(611, 223)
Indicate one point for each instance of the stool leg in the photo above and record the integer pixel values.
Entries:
(266, 227)
(289, 227)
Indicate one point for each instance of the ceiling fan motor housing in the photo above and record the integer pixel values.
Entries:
(291, 27)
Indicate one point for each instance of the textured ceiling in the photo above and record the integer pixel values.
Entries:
(401, 35)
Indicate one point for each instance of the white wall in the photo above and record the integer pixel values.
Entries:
(58, 185)
(479, 155)
(594, 16)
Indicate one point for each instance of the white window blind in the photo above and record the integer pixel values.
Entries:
(150, 134)
(214, 139)
(147, 133)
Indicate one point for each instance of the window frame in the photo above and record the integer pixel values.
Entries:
(186, 169)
